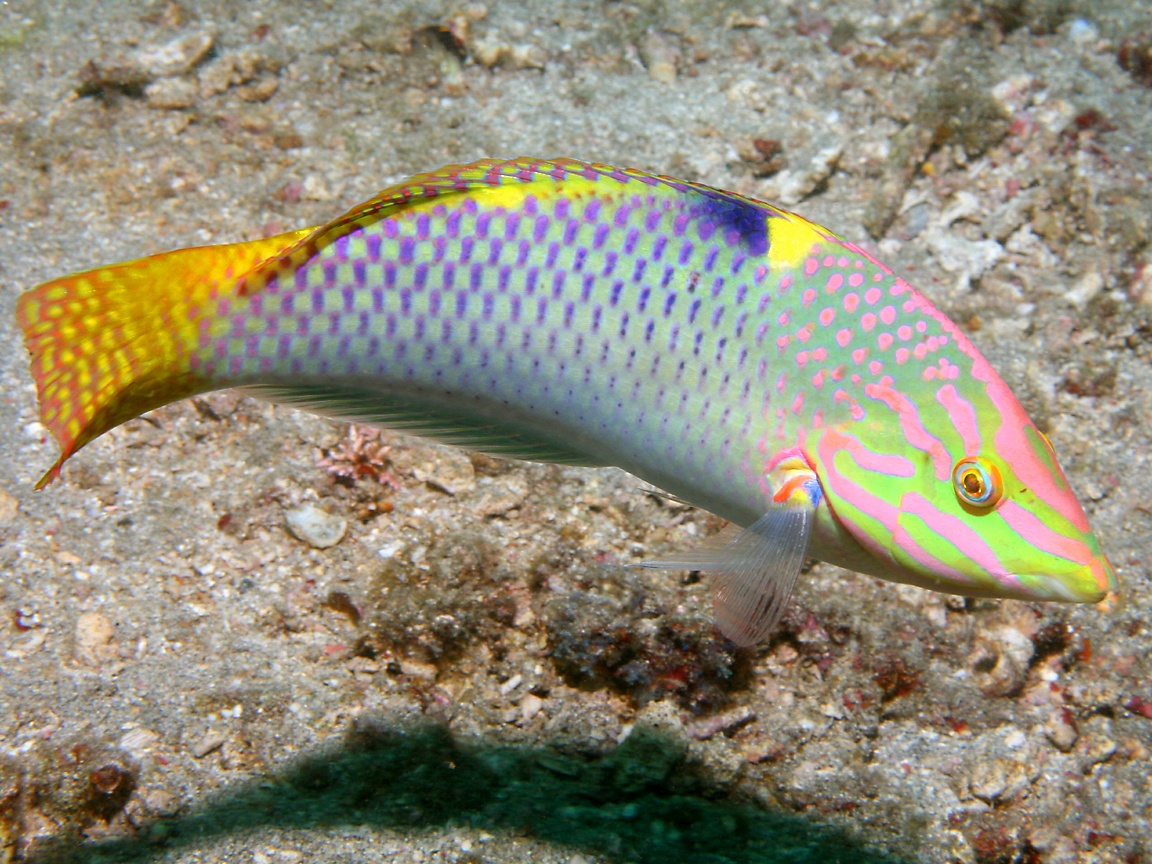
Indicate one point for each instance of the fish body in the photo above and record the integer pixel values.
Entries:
(725, 350)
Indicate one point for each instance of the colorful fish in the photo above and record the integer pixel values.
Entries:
(730, 352)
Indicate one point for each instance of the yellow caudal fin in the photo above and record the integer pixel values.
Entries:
(111, 343)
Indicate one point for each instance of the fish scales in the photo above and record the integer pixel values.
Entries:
(566, 314)
(725, 350)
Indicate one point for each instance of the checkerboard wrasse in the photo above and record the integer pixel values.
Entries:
(729, 352)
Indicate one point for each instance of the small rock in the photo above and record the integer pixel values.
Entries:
(9, 507)
(175, 57)
(1086, 288)
(994, 779)
(136, 741)
(999, 661)
(660, 56)
(526, 57)
(793, 185)
(511, 684)
(211, 741)
(1061, 730)
(1140, 288)
(726, 722)
(530, 706)
(315, 527)
(967, 259)
(171, 93)
(414, 669)
(94, 634)
(1095, 748)
(261, 90)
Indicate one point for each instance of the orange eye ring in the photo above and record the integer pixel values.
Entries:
(977, 482)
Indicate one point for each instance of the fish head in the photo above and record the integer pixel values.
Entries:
(947, 483)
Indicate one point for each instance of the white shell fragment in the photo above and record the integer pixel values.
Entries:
(315, 527)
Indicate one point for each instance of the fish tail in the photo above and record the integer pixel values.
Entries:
(109, 344)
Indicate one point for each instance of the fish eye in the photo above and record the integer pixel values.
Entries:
(977, 482)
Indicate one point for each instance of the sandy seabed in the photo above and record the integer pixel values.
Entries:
(469, 674)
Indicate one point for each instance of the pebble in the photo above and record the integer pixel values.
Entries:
(175, 57)
(726, 722)
(511, 684)
(316, 527)
(171, 93)
(530, 706)
(211, 741)
(1085, 289)
(94, 634)
(9, 507)
(138, 740)
(793, 185)
(1061, 730)
(967, 259)
(659, 55)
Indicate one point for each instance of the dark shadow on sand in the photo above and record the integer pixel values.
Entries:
(639, 803)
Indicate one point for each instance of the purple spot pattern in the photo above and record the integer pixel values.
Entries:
(633, 319)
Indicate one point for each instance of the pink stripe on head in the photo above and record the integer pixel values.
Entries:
(1036, 533)
(914, 431)
(959, 534)
(963, 417)
(929, 562)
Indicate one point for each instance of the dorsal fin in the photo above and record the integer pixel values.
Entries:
(448, 180)
(489, 174)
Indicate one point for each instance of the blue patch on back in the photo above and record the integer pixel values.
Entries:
(729, 213)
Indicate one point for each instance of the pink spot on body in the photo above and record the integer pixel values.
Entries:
(888, 314)
(819, 354)
(835, 283)
(782, 341)
(808, 297)
(818, 379)
(884, 340)
(802, 358)
(783, 319)
(804, 333)
(920, 351)
(827, 315)
(798, 403)
(857, 279)
(838, 372)
(851, 302)
(859, 355)
(781, 382)
(867, 321)
(843, 337)
(921, 326)
(902, 355)
(829, 261)
(875, 368)
(811, 265)
(872, 296)
(904, 333)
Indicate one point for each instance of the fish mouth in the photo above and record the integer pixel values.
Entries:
(1088, 583)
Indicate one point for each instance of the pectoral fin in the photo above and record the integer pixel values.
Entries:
(753, 571)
